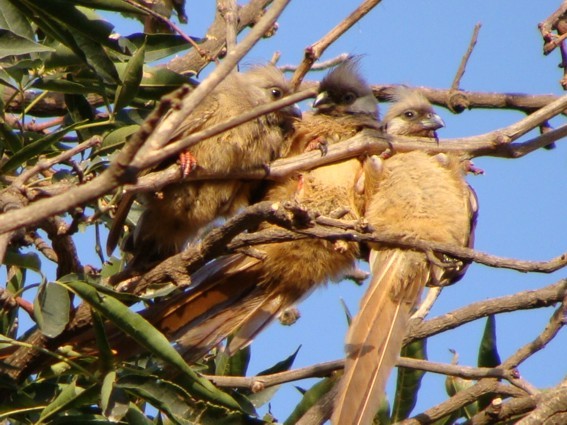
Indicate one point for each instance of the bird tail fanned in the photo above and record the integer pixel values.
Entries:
(375, 337)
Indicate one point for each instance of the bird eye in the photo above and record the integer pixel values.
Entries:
(349, 97)
(409, 114)
(276, 93)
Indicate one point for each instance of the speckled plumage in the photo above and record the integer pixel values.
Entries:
(175, 215)
(415, 194)
(244, 294)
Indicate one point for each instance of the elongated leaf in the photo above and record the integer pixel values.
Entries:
(12, 19)
(67, 395)
(262, 397)
(12, 44)
(114, 401)
(58, 84)
(131, 78)
(150, 338)
(488, 352)
(408, 381)
(160, 46)
(112, 5)
(312, 396)
(116, 139)
(34, 149)
(9, 139)
(454, 384)
(177, 403)
(28, 260)
(488, 355)
(235, 365)
(77, 20)
(51, 309)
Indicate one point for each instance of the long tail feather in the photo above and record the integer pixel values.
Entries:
(376, 334)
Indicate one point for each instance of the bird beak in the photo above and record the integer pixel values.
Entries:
(322, 101)
(293, 111)
(432, 122)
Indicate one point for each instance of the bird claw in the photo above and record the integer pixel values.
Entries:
(318, 143)
(188, 163)
(471, 168)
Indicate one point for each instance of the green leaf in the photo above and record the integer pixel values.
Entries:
(262, 397)
(283, 365)
(159, 81)
(174, 401)
(235, 365)
(160, 46)
(12, 19)
(9, 139)
(488, 355)
(114, 401)
(131, 78)
(29, 260)
(35, 148)
(455, 384)
(112, 5)
(77, 20)
(135, 416)
(488, 352)
(51, 309)
(150, 338)
(12, 44)
(116, 138)
(67, 395)
(408, 381)
(57, 83)
(312, 396)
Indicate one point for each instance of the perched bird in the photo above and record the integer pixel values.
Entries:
(243, 294)
(175, 215)
(416, 194)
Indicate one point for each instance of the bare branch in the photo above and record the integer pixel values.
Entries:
(524, 300)
(465, 59)
(314, 52)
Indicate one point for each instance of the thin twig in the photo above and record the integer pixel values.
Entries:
(327, 368)
(165, 129)
(314, 52)
(319, 66)
(228, 10)
(524, 300)
(47, 163)
(170, 24)
(461, 71)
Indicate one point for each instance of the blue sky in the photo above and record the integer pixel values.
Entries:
(522, 202)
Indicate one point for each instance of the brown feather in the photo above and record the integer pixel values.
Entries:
(421, 196)
(180, 210)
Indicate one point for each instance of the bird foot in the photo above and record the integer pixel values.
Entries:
(340, 246)
(188, 163)
(471, 168)
(289, 316)
(318, 143)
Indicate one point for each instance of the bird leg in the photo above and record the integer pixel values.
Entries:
(318, 143)
(187, 163)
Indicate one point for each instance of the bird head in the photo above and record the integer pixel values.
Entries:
(411, 114)
(344, 91)
(273, 86)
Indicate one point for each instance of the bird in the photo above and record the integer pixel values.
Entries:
(240, 294)
(174, 216)
(420, 195)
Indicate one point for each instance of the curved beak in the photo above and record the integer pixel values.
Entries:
(433, 122)
(322, 101)
(293, 111)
